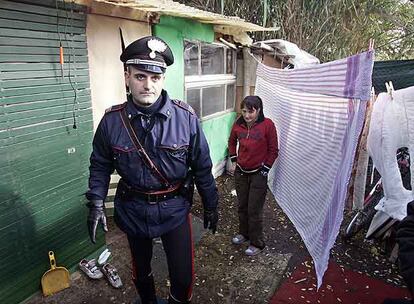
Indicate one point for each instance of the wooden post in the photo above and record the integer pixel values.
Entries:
(246, 77)
(362, 162)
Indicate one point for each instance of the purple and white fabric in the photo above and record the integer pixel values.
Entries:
(319, 113)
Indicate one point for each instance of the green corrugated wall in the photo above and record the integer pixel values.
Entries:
(217, 131)
(43, 159)
(174, 30)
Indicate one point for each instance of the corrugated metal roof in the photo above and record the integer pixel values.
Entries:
(172, 8)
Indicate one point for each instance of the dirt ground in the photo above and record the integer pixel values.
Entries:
(223, 273)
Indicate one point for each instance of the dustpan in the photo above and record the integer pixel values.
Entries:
(55, 279)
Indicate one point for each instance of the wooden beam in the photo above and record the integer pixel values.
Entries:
(115, 10)
(362, 162)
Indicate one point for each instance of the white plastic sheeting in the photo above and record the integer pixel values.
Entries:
(298, 57)
(392, 127)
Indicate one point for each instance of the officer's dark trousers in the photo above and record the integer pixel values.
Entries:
(178, 248)
(251, 194)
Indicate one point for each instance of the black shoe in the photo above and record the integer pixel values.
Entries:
(158, 301)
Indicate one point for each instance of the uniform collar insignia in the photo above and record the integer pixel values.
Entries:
(156, 46)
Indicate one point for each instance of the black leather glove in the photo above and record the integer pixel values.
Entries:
(96, 215)
(211, 219)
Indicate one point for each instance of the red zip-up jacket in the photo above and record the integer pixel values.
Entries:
(258, 146)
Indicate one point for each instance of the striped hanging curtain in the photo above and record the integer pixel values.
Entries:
(319, 113)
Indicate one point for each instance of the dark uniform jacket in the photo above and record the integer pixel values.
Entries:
(175, 142)
(405, 238)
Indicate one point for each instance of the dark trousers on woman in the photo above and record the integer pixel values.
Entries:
(178, 247)
(251, 193)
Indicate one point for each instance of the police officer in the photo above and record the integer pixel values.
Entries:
(150, 201)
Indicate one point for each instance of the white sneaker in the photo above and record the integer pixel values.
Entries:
(112, 275)
(239, 239)
(252, 250)
(90, 268)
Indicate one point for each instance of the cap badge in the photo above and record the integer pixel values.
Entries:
(156, 46)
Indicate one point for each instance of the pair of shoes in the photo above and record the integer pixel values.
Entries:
(90, 269)
(253, 250)
(112, 275)
(239, 239)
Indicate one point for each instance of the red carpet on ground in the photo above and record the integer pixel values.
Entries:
(340, 285)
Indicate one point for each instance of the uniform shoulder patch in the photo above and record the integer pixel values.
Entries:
(183, 105)
(115, 108)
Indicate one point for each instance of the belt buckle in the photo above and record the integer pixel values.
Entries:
(152, 199)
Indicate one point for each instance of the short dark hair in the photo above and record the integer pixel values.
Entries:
(253, 102)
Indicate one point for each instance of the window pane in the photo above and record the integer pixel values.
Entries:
(230, 57)
(193, 99)
(230, 97)
(213, 100)
(190, 58)
(212, 59)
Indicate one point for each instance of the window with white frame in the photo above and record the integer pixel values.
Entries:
(210, 77)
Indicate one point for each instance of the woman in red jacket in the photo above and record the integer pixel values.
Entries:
(256, 139)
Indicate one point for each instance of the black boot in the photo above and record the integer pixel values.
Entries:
(146, 290)
(159, 301)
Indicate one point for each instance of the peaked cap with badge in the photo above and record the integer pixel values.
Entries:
(149, 54)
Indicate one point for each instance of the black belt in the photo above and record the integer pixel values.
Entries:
(151, 198)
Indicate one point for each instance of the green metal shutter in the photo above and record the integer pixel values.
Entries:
(43, 159)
